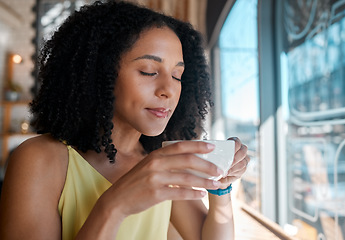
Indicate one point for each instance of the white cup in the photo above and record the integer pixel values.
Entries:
(222, 156)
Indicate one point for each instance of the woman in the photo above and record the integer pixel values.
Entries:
(117, 80)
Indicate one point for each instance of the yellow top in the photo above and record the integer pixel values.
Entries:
(84, 185)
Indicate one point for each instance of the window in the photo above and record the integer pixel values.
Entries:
(313, 73)
(237, 52)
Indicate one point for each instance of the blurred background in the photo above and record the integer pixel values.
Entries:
(278, 76)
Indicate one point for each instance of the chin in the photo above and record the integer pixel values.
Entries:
(153, 132)
(152, 129)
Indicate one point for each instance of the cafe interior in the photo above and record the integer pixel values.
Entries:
(278, 82)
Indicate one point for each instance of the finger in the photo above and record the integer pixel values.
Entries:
(187, 180)
(237, 172)
(240, 167)
(227, 181)
(187, 147)
(238, 142)
(184, 161)
(240, 154)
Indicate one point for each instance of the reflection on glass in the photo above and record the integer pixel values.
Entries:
(316, 117)
(239, 84)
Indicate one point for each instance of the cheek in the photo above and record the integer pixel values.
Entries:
(176, 100)
(125, 88)
(178, 93)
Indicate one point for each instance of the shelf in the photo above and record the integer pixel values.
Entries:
(8, 135)
(13, 103)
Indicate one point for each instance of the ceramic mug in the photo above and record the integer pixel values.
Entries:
(222, 156)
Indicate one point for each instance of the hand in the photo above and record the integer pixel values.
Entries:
(239, 165)
(151, 180)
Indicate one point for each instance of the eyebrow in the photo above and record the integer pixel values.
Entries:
(157, 59)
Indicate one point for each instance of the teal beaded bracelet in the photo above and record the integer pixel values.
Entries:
(221, 192)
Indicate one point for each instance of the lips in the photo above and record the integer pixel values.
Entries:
(159, 112)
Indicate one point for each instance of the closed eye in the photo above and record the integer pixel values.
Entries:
(147, 73)
(154, 73)
(178, 79)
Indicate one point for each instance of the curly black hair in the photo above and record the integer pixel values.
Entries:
(79, 65)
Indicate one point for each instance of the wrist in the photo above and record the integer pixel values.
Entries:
(111, 209)
(220, 192)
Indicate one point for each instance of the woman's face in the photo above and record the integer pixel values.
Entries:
(148, 85)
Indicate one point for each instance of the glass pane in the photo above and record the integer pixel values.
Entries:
(313, 67)
(238, 43)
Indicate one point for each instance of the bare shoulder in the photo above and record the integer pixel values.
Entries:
(33, 183)
(41, 146)
(41, 155)
(38, 161)
(37, 154)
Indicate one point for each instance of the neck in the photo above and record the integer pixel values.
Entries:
(126, 141)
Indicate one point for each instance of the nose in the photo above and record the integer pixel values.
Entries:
(167, 86)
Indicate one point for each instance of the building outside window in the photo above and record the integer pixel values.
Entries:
(313, 76)
(300, 46)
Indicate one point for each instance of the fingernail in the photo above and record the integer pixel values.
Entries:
(216, 183)
(220, 171)
(210, 146)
